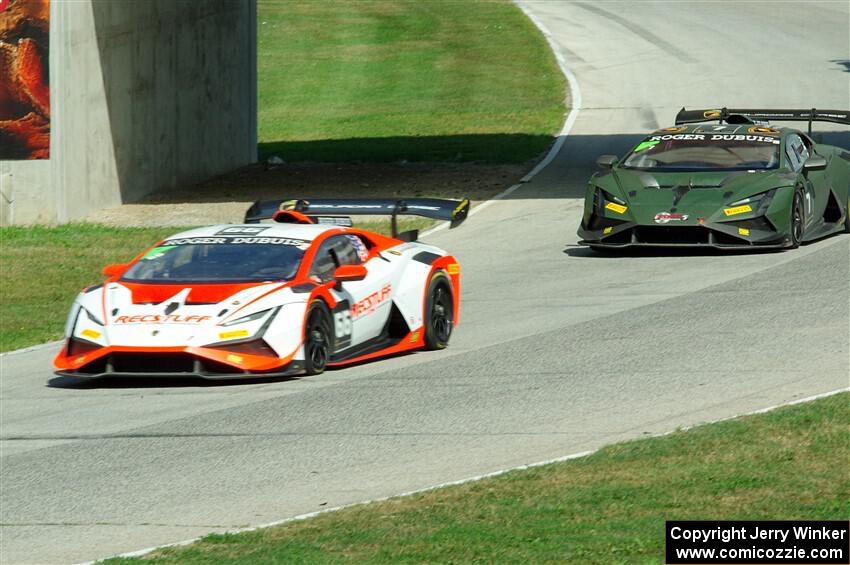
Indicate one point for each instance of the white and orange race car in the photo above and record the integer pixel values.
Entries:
(304, 292)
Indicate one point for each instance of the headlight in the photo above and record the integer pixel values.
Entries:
(756, 204)
(248, 318)
(609, 202)
(92, 317)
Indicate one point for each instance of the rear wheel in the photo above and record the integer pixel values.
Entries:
(317, 338)
(439, 312)
(798, 216)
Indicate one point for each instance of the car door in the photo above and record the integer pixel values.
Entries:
(364, 306)
(797, 152)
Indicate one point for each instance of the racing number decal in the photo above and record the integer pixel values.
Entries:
(342, 324)
(808, 198)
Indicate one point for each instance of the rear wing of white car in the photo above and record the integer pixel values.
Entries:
(335, 210)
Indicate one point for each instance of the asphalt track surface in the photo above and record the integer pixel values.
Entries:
(559, 350)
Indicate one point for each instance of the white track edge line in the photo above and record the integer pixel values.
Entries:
(572, 115)
(475, 478)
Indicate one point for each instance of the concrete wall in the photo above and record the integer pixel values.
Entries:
(145, 95)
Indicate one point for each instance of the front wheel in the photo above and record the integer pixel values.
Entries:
(798, 216)
(317, 338)
(439, 312)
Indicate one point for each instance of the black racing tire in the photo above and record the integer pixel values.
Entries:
(439, 312)
(798, 220)
(318, 338)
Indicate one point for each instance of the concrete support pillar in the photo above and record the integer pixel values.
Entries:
(145, 96)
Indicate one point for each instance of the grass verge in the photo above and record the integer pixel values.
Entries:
(392, 80)
(43, 268)
(607, 508)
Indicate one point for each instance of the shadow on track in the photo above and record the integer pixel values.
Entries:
(158, 382)
(192, 382)
(583, 252)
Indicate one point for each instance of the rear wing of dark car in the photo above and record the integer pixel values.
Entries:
(331, 210)
(739, 116)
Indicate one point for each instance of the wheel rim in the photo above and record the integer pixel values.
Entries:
(441, 315)
(797, 219)
(317, 343)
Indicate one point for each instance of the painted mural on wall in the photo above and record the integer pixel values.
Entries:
(24, 80)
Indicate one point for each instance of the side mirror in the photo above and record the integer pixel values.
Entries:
(114, 270)
(607, 161)
(349, 273)
(815, 163)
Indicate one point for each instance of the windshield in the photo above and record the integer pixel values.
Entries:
(219, 260)
(704, 152)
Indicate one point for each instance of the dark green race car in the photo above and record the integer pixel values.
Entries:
(737, 184)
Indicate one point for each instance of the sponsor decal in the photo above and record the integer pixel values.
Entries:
(197, 241)
(341, 221)
(80, 359)
(242, 230)
(453, 268)
(233, 334)
(714, 137)
(235, 358)
(711, 114)
(299, 243)
(677, 137)
(158, 252)
(645, 145)
(90, 333)
(160, 319)
(737, 210)
(763, 129)
(614, 207)
(608, 230)
(289, 205)
(370, 303)
(394, 252)
(674, 129)
(701, 220)
(664, 217)
(414, 337)
(359, 246)
(743, 231)
(742, 137)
